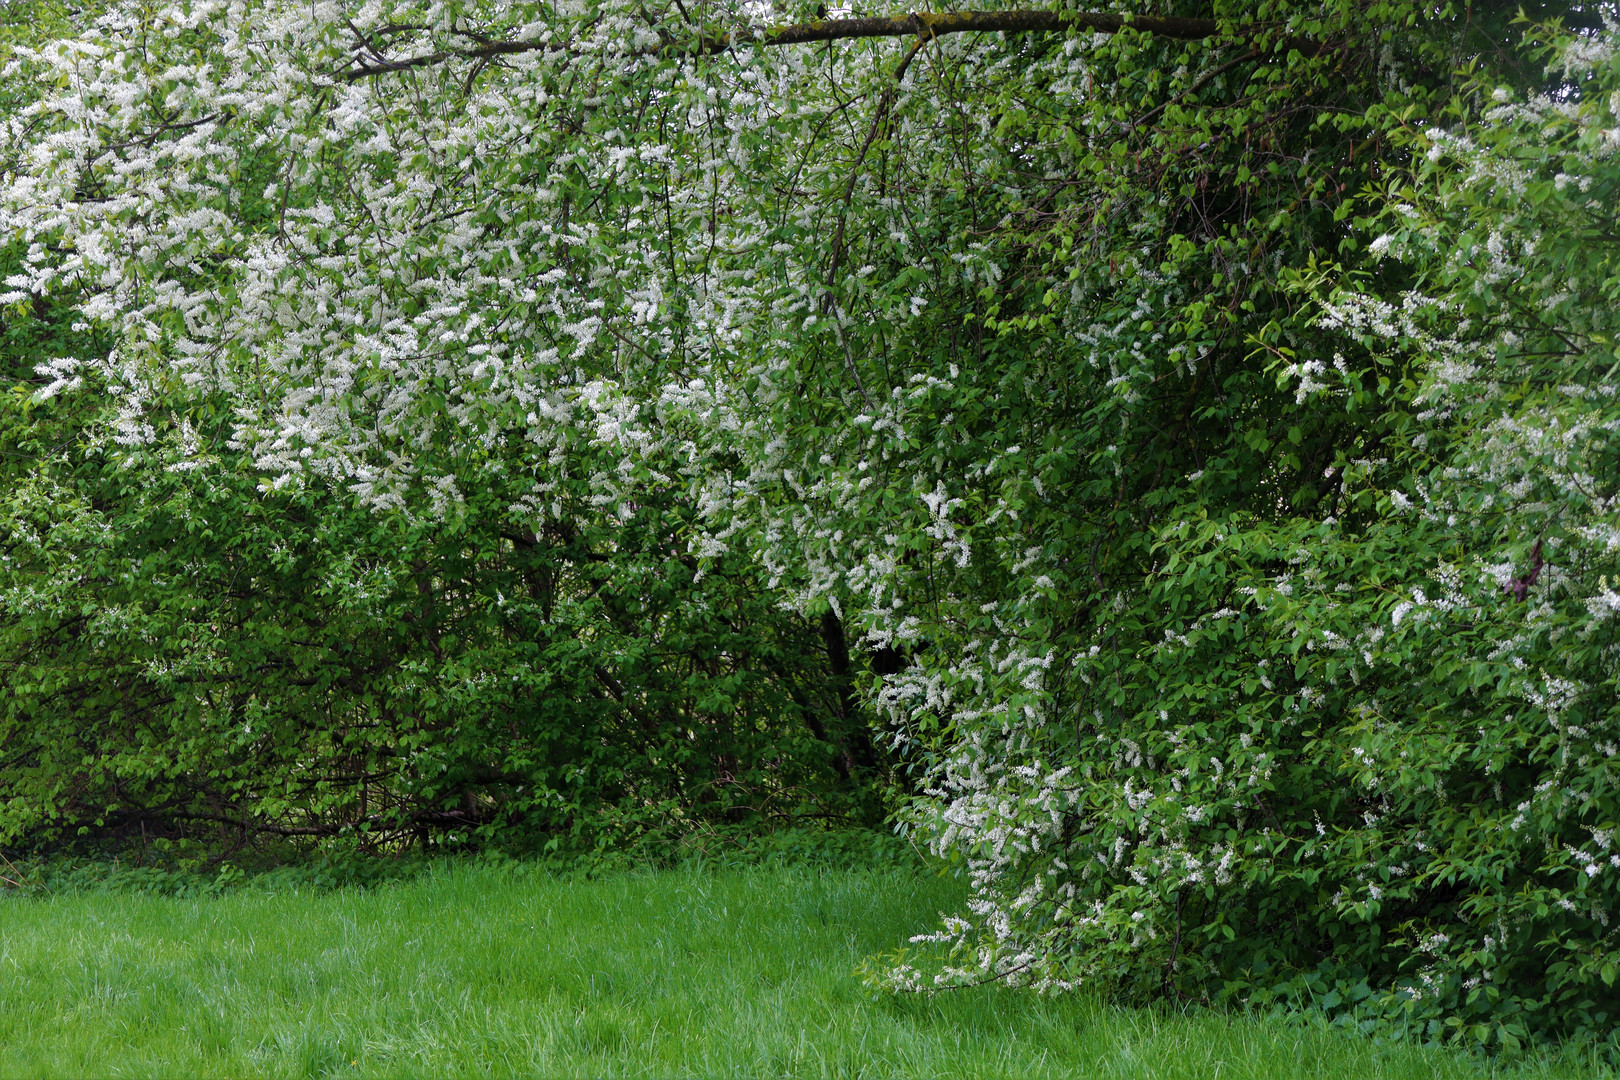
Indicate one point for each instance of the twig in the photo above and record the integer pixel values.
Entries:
(849, 356)
(1197, 85)
(20, 881)
(986, 981)
(828, 303)
(878, 116)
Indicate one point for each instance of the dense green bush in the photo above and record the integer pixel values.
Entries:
(186, 652)
(1342, 731)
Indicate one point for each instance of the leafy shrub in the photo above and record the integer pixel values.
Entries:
(186, 652)
(1356, 750)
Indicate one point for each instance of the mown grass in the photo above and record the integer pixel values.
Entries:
(472, 970)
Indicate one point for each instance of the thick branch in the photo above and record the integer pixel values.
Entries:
(924, 24)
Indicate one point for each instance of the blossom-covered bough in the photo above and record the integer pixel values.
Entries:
(1221, 431)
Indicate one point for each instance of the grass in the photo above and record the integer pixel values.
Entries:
(473, 970)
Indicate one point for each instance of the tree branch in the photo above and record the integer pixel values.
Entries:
(458, 819)
(928, 24)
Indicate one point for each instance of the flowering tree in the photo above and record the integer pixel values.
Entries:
(1221, 479)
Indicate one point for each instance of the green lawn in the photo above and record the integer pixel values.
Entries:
(476, 971)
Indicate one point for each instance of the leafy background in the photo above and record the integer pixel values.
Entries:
(1174, 479)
